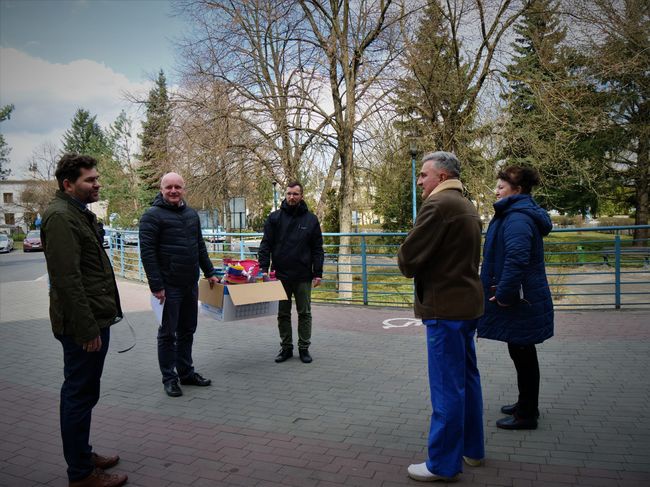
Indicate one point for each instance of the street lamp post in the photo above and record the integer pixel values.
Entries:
(413, 150)
(275, 196)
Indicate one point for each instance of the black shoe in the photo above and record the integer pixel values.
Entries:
(285, 353)
(512, 409)
(173, 389)
(509, 409)
(304, 356)
(196, 380)
(517, 423)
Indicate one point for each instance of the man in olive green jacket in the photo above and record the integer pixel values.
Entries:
(442, 253)
(84, 303)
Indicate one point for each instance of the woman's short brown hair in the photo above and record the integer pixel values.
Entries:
(521, 176)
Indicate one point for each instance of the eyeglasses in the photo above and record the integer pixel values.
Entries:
(293, 194)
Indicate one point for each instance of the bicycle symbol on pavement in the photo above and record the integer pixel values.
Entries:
(400, 323)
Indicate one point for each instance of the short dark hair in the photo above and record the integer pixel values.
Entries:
(291, 184)
(69, 167)
(521, 176)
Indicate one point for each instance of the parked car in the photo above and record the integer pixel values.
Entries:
(6, 243)
(214, 235)
(131, 238)
(32, 241)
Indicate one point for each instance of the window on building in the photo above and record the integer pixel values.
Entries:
(10, 219)
(8, 197)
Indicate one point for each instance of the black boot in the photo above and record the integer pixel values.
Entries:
(304, 356)
(512, 409)
(173, 389)
(285, 353)
(516, 422)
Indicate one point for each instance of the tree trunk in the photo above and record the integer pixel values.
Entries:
(641, 235)
(345, 217)
(327, 185)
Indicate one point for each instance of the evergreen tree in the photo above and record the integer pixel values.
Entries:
(331, 220)
(547, 103)
(85, 136)
(5, 114)
(619, 68)
(392, 183)
(155, 133)
(430, 97)
(436, 101)
(119, 180)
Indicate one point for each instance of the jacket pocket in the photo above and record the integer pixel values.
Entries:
(423, 300)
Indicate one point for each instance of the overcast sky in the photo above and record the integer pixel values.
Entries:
(60, 55)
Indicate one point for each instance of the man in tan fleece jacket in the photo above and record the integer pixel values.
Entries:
(442, 254)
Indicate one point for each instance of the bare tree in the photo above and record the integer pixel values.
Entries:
(358, 44)
(210, 146)
(255, 50)
(40, 188)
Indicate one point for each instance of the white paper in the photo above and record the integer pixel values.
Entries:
(157, 308)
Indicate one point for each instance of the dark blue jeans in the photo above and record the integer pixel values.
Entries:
(79, 394)
(176, 334)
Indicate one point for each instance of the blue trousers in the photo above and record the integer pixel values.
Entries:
(456, 399)
(82, 372)
(176, 334)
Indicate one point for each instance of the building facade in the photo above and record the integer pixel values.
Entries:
(14, 218)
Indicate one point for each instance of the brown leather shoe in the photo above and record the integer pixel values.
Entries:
(99, 478)
(105, 462)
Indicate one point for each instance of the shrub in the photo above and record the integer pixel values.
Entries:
(615, 221)
(567, 221)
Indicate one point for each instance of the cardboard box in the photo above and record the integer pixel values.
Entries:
(232, 302)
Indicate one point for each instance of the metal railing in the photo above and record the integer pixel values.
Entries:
(587, 267)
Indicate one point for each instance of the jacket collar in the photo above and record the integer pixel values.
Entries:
(298, 209)
(77, 204)
(448, 184)
(163, 203)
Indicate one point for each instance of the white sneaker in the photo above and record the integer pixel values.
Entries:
(419, 471)
(473, 462)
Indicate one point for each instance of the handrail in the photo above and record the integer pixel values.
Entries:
(585, 271)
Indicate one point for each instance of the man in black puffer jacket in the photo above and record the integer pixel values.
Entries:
(172, 250)
(293, 240)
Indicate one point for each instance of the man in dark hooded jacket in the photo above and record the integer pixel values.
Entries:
(172, 250)
(293, 241)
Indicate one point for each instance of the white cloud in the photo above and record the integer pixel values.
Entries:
(46, 96)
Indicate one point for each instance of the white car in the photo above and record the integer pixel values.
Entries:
(6, 243)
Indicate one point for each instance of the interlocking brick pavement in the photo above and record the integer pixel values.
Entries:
(356, 416)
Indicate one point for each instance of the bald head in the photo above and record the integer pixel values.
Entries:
(172, 188)
(171, 177)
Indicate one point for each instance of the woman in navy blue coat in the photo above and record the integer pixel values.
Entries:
(518, 307)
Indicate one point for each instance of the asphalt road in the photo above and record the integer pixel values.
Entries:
(22, 266)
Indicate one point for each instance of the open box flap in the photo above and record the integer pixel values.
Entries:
(214, 296)
(259, 292)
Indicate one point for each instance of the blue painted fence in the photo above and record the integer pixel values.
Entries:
(588, 267)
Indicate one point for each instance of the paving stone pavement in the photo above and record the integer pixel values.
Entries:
(356, 416)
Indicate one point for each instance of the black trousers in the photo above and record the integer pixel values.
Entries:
(525, 360)
(176, 334)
